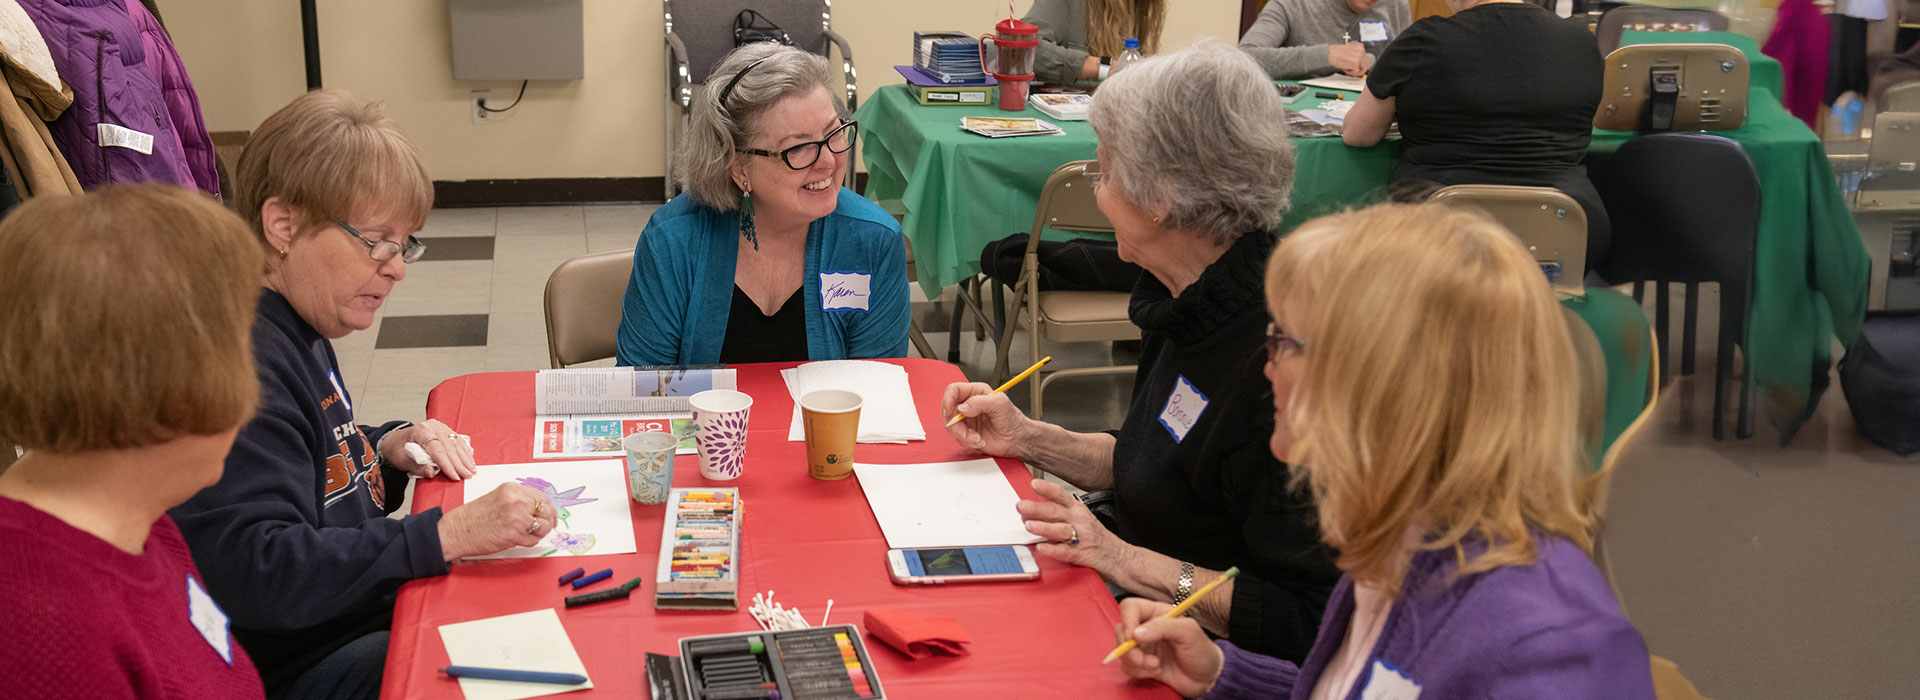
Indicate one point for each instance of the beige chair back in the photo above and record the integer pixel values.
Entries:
(1552, 224)
(1709, 81)
(584, 296)
(1904, 97)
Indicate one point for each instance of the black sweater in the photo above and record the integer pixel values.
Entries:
(1218, 498)
(293, 541)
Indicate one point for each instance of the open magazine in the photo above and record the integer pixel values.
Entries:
(588, 412)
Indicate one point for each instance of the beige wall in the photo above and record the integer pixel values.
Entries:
(245, 60)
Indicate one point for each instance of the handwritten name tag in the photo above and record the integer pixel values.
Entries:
(1384, 682)
(207, 617)
(1373, 31)
(1183, 410)
(844, 290)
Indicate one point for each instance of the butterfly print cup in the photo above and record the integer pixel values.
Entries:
(720, 432)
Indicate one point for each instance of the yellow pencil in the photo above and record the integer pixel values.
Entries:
(1177, 611)
(957, 416)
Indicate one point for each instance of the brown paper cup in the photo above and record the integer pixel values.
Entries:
(831, 418)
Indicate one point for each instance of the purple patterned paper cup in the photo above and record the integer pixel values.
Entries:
(720, 432)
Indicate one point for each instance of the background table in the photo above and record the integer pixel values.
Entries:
(807, 540)
(958, 191)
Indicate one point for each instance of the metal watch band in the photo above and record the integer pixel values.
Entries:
(1186, 583)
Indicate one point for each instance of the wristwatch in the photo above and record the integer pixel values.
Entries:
(1106, 66)
(1186, 584)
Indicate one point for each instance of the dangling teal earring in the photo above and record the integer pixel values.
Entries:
(746, 218)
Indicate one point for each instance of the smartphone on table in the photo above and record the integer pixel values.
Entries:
(962, 565)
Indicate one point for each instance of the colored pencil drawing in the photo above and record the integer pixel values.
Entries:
(587, 499)
(561, 500)
(575, 544)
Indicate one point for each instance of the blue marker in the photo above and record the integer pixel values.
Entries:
(571, 575)
(592, 578)
(503, 674)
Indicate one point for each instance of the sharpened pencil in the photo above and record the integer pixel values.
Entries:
(1177, 610)
(958, 416)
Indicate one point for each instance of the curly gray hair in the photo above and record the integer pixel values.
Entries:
(714, 130)
(1198, 137)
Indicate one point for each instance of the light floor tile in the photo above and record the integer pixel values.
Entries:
(517, 342)
(617, 218)
(460, 222)
(455, 287)
(603, 241)
(541, 221)
(398, 383)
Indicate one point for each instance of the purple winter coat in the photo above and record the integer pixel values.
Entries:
(125, 74)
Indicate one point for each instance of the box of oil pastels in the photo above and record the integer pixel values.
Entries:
(823, 663)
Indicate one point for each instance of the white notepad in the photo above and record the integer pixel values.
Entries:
(887, 411)
(943, 504)
(528, 641)
(1338, 82)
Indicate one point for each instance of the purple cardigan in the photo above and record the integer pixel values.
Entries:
(124, 73)
(1551, 629)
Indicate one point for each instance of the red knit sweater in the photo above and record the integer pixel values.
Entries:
(83, 619)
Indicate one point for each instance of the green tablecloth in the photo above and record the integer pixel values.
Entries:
(1621, 329)
(958, 191)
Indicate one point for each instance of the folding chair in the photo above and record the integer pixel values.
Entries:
(1552, 224)
(584, 296)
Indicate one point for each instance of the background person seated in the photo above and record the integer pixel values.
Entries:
(1501, 93)
(1426, 388)
(295, 540)
(1194, 173)
(124, 370)
(1296, 39)
(765, 257)
(1080, 38)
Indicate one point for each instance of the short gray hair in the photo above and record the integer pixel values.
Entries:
(715, 130)
(1199, 137)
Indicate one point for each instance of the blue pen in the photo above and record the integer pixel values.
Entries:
(592, 578)
(503, 674)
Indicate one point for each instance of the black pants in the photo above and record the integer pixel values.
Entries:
(1082, 264)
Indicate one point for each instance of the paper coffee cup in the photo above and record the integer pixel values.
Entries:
(650, 466)
(720, 432)
(831, 418)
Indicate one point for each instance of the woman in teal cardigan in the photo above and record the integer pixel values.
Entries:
(765, 258)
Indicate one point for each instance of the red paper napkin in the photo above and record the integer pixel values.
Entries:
(918, 635)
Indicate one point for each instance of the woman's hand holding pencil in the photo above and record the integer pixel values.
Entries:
(1172, 650)
(982, 418)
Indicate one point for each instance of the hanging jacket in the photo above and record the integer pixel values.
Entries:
(30, 96)
(123, 127)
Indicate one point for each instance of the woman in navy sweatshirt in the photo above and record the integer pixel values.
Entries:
(294, 540)
(1425, 386)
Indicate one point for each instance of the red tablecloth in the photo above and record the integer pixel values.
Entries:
(804, 539)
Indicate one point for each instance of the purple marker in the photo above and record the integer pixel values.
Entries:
(571, 575)
(592, 578)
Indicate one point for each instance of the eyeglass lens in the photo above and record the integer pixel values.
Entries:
(805, 155)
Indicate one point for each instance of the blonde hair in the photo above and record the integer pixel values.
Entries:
(328, 155)
(128, 322)
(1440, 394)
(1110, 22)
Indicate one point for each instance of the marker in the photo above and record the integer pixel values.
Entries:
(592, 578)
(504, 674)
(571, 575)
(958, 416)
(1329, 95)
(616, 593)
(1177, 610)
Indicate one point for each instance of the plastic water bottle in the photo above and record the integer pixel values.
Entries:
(1127, 57)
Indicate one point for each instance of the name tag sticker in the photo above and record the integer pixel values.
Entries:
(116, 136)
(1384, 682)
(209, 619)
(1183, 410)
(1373, 30)
(844, 290)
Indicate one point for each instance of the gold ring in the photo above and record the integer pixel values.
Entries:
(451, 436)
(537, 505)
(433, 438)
(1074, 539)
(534, 529)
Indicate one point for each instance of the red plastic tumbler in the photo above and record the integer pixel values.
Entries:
(1012, 62)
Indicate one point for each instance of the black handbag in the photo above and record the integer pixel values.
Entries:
(752, 27)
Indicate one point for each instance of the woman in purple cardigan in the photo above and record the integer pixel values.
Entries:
(1425, 389)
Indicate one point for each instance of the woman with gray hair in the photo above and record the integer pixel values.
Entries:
(766, 258)
(1194, 169)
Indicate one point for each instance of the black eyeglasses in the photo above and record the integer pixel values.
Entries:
(385, 250)
(1278, 341)
(805, 155)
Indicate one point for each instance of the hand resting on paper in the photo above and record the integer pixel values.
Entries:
(450, 454)
(1060, 518)
(1174, 651)
(508, 516)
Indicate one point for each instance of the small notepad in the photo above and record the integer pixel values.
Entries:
(528, 641)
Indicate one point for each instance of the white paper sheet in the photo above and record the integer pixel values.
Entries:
(943, 504)
(1338, 82)
(528, 641)
(887, 411)
(592, 498)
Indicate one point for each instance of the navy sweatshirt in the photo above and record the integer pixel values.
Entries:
(293, 541)
(1198, 482)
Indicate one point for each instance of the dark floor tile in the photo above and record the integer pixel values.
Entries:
(449, 331)
(441, 249)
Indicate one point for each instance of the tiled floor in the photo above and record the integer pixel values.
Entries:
(1764, 571)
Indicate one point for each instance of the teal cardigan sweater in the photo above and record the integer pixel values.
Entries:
(855, 288)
